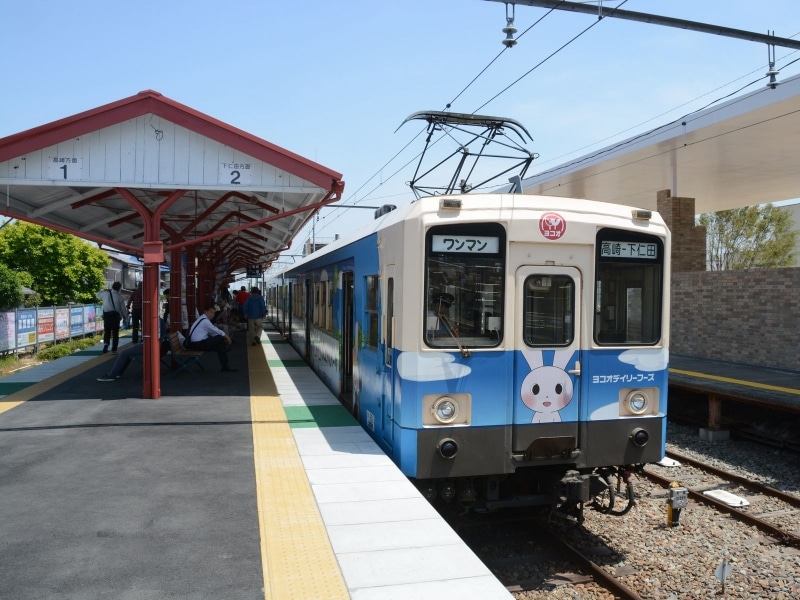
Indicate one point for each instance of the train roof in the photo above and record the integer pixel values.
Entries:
(506, 203)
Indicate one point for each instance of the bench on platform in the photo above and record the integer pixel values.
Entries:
(183, 357)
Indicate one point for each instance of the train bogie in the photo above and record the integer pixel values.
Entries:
(502, 349)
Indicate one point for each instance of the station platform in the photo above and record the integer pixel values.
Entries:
(254, 484)
(777, 388)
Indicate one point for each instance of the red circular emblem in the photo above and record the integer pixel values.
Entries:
(552, 225)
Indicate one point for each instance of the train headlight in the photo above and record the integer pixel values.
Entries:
(636, 402)
(445, 409)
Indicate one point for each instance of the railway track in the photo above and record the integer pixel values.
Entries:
(527, 554)
(763, 506)
(644, 555)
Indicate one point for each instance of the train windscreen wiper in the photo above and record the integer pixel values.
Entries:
(465, 353)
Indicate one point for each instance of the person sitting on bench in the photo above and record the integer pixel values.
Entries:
(204, 335)
(131, 352)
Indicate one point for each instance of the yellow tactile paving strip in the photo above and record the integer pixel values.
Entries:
(763, 386)
(296, 554)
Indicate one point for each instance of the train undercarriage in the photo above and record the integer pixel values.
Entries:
(609, 490)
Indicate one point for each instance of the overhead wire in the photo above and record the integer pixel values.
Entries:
(609, 12)
(688, 102)
(499, 54)
(447, 107)
(548, 57)
(645, 134)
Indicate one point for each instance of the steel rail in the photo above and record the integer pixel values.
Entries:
(602, 577)
(755, 485)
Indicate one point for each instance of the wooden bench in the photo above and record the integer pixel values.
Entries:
(183, 357)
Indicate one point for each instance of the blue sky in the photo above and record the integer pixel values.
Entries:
(333, 80)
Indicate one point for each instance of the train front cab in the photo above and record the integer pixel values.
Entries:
(586, 339)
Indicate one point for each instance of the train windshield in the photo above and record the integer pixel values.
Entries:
(628, 289)
(464, 277)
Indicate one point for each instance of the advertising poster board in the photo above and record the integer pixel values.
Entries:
(99, 324)
(76, 321)
(45, 324)
(62, 323)
(26, 327)
(8, 338)
(89, 324)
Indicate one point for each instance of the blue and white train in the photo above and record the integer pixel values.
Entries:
(502, 349)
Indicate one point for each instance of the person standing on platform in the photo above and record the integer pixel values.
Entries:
(113, 312)
(135, 309)
(241, 298)
(225, 293)
(255, 309)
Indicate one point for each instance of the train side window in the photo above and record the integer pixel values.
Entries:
(328, 306)
(371, 310)
(317, 311)
(628, 288)
(389, 318)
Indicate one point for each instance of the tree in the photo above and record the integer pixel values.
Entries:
(63, 268)
(750, 237)
(10, 288)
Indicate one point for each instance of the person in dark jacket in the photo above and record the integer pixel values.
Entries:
(255, 309)
(114, 311)
(135, 310)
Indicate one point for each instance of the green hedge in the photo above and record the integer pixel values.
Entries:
(66, 348)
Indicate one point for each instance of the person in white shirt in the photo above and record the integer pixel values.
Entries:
(114, 311)
(204, 335)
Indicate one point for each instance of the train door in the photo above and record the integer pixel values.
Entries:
(286, 307)
(547, 406)
(308, 315)
(291, 290)
(388, 331)
(348, 343)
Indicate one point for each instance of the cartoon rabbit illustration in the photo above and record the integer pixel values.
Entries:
(546, 389)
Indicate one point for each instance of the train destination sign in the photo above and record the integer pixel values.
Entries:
(609, 249)
(469, 244)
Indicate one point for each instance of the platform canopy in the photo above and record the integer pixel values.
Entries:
(739, 153)
(146, 175)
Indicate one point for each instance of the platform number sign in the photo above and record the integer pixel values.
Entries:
(60, 168)
(235, 173)
(254, 271)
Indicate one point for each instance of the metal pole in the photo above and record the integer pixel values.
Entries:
(629, 15)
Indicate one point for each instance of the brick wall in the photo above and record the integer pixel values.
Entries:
(688, 240)
(749, 317)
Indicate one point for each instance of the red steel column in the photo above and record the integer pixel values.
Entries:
(151, 352)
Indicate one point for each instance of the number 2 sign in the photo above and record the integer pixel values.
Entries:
(235, 173)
